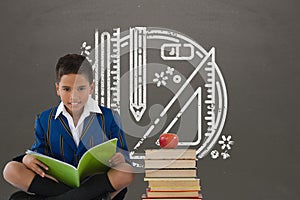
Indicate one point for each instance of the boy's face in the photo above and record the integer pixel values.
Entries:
(74, 91)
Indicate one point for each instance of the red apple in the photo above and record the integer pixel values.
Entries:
(168, 140)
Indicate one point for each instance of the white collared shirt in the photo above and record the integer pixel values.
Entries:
(90, 106)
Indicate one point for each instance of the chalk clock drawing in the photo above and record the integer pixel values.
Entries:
(160, 80)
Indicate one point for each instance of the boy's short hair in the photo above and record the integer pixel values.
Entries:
(73, 64)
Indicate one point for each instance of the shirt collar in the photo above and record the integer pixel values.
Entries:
(90, 106)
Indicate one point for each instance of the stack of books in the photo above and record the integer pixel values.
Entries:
(171, 174)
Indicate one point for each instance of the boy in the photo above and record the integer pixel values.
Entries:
(65, 132)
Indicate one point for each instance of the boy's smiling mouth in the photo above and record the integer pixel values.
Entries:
(74, 103)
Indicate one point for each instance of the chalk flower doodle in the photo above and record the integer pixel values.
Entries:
(225, 155)
(160, 79)
(226, 142)
(214, 154)
(170, 71)
(85, 49)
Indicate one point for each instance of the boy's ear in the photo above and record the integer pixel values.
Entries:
(57, 89)
(92, 85)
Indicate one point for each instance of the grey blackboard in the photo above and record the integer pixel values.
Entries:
(257, 47)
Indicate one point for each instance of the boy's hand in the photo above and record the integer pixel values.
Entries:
(35, 165)
(118, 158)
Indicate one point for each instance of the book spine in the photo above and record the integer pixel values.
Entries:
(168, 164)
(170, 154)
(168, 173)
(77, 181)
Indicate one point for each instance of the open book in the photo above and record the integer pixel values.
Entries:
(95, 160)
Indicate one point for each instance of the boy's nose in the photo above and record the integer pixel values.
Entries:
(74, 94)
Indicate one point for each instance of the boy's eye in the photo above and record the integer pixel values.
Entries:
(67, 89)
(81, 88)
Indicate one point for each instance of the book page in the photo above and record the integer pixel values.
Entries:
(95, 160)
(62, 171)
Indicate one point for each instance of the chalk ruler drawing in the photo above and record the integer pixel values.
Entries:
(109, 92)
(208, 97)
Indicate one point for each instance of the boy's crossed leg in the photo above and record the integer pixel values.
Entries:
(95, 186)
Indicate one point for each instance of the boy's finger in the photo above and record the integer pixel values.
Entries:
(38, 171)
(42, 165)
(51, 177)
(117, 156)
(114, 161)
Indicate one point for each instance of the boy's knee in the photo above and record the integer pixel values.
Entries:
(121, 176)
(130, 175)
(9, 170)
(18, 175)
